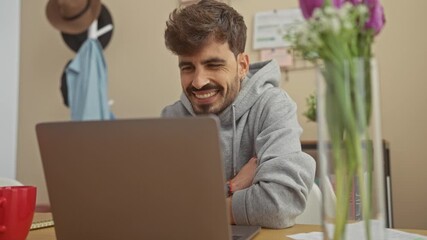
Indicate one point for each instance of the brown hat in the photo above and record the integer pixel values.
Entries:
(75, 41)
(72, 16)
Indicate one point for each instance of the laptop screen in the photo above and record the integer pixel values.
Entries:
(135, 179)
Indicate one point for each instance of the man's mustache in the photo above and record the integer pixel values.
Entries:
(208, 86)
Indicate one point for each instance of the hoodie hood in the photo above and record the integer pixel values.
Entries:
(261, 76)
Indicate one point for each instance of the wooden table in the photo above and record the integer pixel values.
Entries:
(264, 234)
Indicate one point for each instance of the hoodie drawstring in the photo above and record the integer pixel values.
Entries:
(234, 147)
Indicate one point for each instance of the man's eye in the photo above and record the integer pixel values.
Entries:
(214, 65)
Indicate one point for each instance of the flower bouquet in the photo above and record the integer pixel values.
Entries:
(337, 36)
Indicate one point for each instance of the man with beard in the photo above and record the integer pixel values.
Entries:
(269, 177)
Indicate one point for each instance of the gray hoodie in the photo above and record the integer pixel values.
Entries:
(262, 122)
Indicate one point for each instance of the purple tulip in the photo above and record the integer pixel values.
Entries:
(371, 2)
(338, 3)
(355, 2)
(376, 16)
(308, 6)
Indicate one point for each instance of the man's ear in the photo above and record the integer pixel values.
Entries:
(243, 64)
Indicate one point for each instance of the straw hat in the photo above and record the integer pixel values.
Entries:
(72, 16)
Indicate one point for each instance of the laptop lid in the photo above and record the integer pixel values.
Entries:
(135, 179)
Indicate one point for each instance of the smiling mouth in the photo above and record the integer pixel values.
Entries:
(204, 94)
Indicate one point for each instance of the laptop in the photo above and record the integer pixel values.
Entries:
(159, 178)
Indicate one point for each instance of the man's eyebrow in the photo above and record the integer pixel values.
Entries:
(213, 60)
(184, 63)
(204, 62)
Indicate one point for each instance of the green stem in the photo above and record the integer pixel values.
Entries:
(362, 109)
(344, 172)
(347, 113)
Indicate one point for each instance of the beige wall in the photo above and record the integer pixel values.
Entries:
(143, 78)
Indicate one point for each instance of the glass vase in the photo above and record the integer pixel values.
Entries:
(350, 150)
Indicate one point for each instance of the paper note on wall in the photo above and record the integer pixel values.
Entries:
(271, 27)
(282, 56)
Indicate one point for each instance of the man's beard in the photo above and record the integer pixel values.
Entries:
(218, 106)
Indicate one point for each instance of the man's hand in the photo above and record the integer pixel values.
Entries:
(245, 176)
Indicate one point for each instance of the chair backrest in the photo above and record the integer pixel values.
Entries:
(5, 182)
(313, 210)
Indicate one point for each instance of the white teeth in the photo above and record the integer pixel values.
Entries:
(206, 95)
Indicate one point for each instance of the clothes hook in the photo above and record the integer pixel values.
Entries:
(95, 33)
(93, 29)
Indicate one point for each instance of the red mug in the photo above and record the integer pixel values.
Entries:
(17, 205)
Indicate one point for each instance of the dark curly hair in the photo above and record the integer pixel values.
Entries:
(189, 28)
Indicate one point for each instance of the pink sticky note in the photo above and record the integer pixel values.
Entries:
(281, 55)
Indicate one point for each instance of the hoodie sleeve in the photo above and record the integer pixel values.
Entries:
(285, 174)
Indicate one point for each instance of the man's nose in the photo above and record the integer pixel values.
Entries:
(200, 79)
